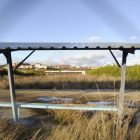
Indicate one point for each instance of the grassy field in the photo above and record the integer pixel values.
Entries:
(67, 124)
(67, 82)
(71, 125)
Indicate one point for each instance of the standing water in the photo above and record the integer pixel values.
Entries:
(65, 100)
(111, 103)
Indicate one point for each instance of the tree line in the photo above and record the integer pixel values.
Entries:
(132, 72)
(19, 72)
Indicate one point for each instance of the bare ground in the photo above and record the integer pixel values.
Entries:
(30, 95)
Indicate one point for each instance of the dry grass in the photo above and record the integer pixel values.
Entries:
(67, 82)
(73, 125)
(68, 124)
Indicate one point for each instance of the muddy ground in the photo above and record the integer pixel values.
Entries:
(30, 95)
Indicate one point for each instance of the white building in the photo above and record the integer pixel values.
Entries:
(96, 67)
(78, 66)
(40, 66)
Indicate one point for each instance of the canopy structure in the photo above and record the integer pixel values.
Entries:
(7, 47)
(13, 46)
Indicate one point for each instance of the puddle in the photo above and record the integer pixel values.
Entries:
(98, 103)
(29, 122)
(129, 104)
(111, 103)
(65, 100)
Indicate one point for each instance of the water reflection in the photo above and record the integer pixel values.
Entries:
(111, 103)
(65, 100)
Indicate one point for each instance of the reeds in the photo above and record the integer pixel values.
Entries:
(73, 126)
(67, 82)
(68, 124)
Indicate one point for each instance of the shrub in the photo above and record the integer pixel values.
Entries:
(19, 72)
(3, 72)
(132, 72)
(107, 70)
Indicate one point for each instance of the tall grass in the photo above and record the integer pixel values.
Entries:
(67, 82)
(74, 126)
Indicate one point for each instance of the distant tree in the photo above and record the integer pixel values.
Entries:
(3, 72)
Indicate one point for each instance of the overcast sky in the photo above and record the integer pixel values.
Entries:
(70, 21)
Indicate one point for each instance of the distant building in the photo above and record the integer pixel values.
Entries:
(25, 66)
(5, 67)
(85, 67)
(78, 66)
(96, 67)
(92, 68)
(62, 66)
(65, 66)
(57, 67)
(15, 64)
(33, 66)
(40, 66)
(89, 67)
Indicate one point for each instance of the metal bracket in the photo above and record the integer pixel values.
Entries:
(132, 51)
(23, 60)
(115, 59)
(5, 54)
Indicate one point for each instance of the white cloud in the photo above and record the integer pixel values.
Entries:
(138, 27)
(133, 38)
(93, 55)
(79, 56)
(94, 58)
(83, 58)
(94, 38)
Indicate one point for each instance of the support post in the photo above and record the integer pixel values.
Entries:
(122, 88)
(11, 86)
